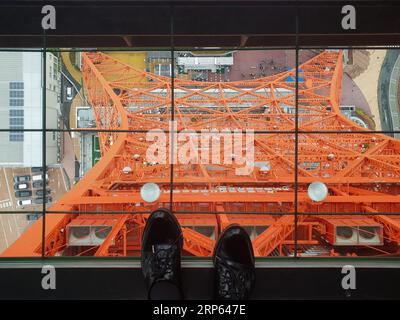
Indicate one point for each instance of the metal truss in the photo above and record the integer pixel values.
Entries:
(360, 168)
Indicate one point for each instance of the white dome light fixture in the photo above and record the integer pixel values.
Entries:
(317, 191)
(150, 192)
(127, 170)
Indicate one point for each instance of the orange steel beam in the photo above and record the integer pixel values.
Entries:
(275, 235)
(361, 169)
(118, 227)
(196, 243)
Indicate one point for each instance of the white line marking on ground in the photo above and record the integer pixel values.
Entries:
(5, 203)
(4, 232)
(16, 225)
(8, 187)
(65, 184)
(9, 225)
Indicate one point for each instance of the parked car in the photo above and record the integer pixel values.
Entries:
(39, 192)
(22, 186)
(24, 178)
(69, 93)
(23, 193)
(92, 124)
(39, 184)
(32, 216)
(24, 202)
(39, 177)
(40, 200)
(37, 169)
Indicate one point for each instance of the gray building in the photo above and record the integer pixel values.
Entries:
(21, 108)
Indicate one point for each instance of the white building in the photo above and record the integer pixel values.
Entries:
(21, 107)
(204, 63)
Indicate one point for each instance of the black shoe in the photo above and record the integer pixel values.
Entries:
(234, 264)
(161, 255)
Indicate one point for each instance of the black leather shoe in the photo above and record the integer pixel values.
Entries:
(234, 265)
(161, 255)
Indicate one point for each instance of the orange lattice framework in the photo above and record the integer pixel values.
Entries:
(361, 169)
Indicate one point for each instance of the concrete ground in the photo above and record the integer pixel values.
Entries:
(134, 59)
(68, 161)
(250, 64)
(367, 82)
(12, 225)
(73, 71)
(57, 184)
(8, 202)
(77, 147)
(87, 146)
(354, 95)
(386, 92)
(76, 102)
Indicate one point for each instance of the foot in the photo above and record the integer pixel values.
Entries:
(234, 264)
(161, 255)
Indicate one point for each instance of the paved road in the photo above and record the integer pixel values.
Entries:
(12, 225)
(383, 90)
(66, 105)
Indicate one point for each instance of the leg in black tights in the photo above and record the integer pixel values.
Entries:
(165, 290)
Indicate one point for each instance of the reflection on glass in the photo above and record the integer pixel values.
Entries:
(233, 148)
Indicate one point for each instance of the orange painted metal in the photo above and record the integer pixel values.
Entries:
(361, 169)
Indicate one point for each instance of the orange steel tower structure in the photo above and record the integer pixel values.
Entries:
(361, 169)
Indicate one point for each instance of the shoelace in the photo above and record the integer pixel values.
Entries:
(231, 285)
(164, 260)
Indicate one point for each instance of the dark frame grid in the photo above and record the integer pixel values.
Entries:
(44, 134)
(296, 132)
